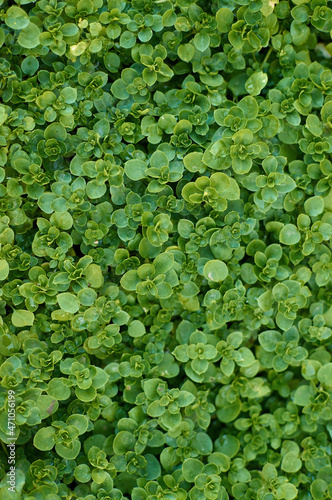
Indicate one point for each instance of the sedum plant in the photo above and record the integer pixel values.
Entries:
(165, 249)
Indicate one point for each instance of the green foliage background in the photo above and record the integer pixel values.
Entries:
(165, 258)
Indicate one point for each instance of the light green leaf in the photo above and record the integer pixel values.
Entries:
(68, 302)
(215, 270)
(21, 318)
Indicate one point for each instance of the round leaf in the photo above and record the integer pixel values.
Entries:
(136, 329)
(21, 318)
(68, 302)
(4, 269)
(289, 235)
(16, 18)
(29, 36)
(215, 270)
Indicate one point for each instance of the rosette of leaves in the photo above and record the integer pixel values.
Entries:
(191, 96)
(267, 263)
(285, 348)
(206, 478)
(104, 172)
(131, 84)
(124, 262)
(196, 354)
(291, 297)
(248, 37)
(106, 308)
(48, 235)
(72, 275)
(315, 143)
(235, 229)
(54, 145)
(314, 330)
(152, 58)
(165, 404)
(135, 437)
(156, 279)
(38, 290)
(215, 191)
(42, 473)
(198, 235)
(162, 171)
(239, 151)
(283, 107)
(224, 308)
(270, 185)
(156, 231)
(84, 378)
(231, 353)
(63, 435)
(129, 219)
(235, 118)
(104, 341)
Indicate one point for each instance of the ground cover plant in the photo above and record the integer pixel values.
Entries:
(165, 249)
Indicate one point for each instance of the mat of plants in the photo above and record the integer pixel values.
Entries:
(165, 249)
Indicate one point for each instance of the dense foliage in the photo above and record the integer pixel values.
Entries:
(165, 259)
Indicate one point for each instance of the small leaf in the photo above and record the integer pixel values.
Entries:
(21, 318)
(256, 82)
(4, 269)
(289, 235)
(191, 468)
(68, 302)
(291, 463)
(224, 18)
(215, 270)
(136, 329)
(29, 36)
(135, 169)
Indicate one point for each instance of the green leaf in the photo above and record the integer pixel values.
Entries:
(55, 131)
(163, 263)
(16, 18)
(47, 406)
(222, 461)
(68, 302)
(291, 462)
(66, 452)
(135, 169)
(185, 398)
(29, 36)
(80, 422)
(130, 280)
(201, 41)
(302, 395)
(229, 412)
(318, 489)
(224, 18)
(324, 375)
(123, 442)
(58, 390)
(289, 235)
(269, 340)
(4, 269)
(314, 206)
(136, 329)
(191, 468)
(186, 52)
(21, 318)
(94, 276)
(44, 439)
(82, 473)
(215, 270)
(256, 82)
